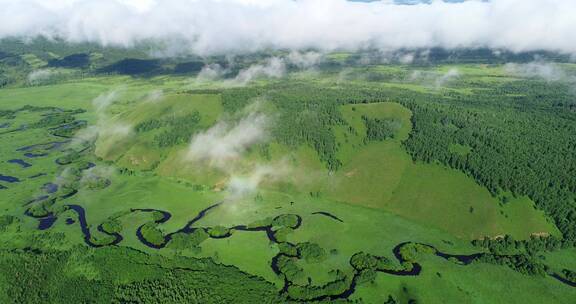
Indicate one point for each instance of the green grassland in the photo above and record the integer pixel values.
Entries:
(380, 196)
(448, 283)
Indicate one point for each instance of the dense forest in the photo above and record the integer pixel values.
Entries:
(123, 275)
(521, 134)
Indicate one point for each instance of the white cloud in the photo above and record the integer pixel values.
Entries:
(273, 68)
(106, 128)
(406, 58)
(305, 60)
(211, 72)
(103, 101)
(39, 76)
(434, 79)
(448, 76)
(225, 26)
(223, 144)
(154, 96)
(244, 185)
(97, 172)
(537, 69)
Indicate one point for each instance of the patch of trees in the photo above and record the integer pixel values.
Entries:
(101, 239)
(179, 129)
(281, 235)
(288, 249)
(149, 125)
(112, 226)
(286, 220)
(152, 234)
(522, 263)
(366, 276)
(569, 275)
(157, 216)
(364, 261)
(310, 292)
(96, 182)
(380, 129)
(219, 231)
(192, 240)
(42, 208)
(391, 300)
(412, 251)
(508, 245)
(189, 67)
(71, 61)
(289, 268)
(53, 120)
(6, 220)
(134, 67)
(311, 252)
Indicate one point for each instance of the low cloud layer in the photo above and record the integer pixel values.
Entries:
(224, 26)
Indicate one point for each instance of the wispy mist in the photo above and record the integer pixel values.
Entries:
(224, 147)
(40, 76)
(248, 184)
(225, 142)
(154, 96)
(537, 69)
(270, 68)
(434, 79)
(105, 127)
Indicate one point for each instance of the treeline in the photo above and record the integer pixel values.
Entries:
(522, 263)
(523, 256)
(179, 129)
(532, 246)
